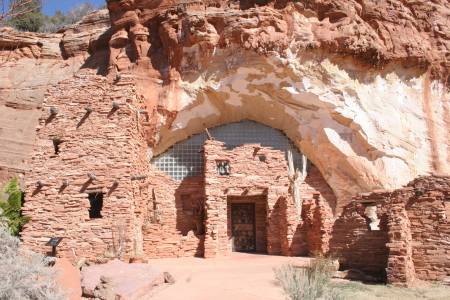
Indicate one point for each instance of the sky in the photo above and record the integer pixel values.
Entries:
(50, 6)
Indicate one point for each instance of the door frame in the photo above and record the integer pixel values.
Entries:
(253, 204)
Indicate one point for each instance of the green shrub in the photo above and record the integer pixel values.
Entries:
(313, 282)
(12, 207)
(32, 20)
(35, 21)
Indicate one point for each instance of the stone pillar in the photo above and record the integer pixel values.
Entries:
(319, 223)
(273, 224)
(400, 268)
(211, 229)
(215, 204)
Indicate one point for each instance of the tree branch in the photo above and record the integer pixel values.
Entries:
(17, 8)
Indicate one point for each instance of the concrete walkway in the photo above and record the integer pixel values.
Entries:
(238, 277)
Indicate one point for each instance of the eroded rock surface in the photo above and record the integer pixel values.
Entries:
(360, 86)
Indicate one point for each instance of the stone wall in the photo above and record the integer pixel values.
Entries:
(173, 228)
(100, 151)
(249, 176)
(400, 266)
(352, 241)
(430, 227)
(412, 236)
(99, 127)
(30, 63)
(318, 222)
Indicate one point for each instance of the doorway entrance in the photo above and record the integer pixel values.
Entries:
(247, 219)
(243, 227)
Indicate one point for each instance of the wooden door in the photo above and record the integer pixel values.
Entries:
(243, 227)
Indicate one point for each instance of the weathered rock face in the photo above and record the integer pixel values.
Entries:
(359, 86)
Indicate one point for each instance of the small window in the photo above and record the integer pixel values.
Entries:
(223, 167)
(262, 157)
(56, 143)
(372, 217)
(96, 201)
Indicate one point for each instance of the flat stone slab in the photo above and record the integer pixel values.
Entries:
(127, 281)
(68, 278)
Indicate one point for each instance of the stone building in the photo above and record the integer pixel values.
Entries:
(199, 128)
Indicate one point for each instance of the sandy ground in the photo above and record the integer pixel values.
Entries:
(238, 277)
(250, 277)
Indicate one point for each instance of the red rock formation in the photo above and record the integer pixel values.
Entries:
(376, 32)
(347, 81)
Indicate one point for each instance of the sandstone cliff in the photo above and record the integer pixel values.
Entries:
(360, 86)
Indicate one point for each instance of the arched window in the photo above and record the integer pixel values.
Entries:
(185, 158)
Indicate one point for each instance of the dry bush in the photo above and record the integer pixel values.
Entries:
(309, 283)
(24, 274)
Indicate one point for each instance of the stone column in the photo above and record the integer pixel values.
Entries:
(400, 269)
(273, 223)
(215, 203)
(211, 228)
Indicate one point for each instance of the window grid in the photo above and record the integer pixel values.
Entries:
(185, 158)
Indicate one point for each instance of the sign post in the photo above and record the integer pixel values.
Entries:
(54, 241)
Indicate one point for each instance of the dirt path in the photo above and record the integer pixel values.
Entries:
(239, 277)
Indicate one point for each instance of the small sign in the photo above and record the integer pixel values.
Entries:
(54, 241)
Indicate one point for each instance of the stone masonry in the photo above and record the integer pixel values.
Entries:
(249, 176)
(99, 134)
(412, 241)
(157, 72)
(93, 142)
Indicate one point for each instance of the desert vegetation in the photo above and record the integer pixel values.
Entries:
(313, 282)
(358, 290)
(27, 15)
(11, 207)
(24, 274)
